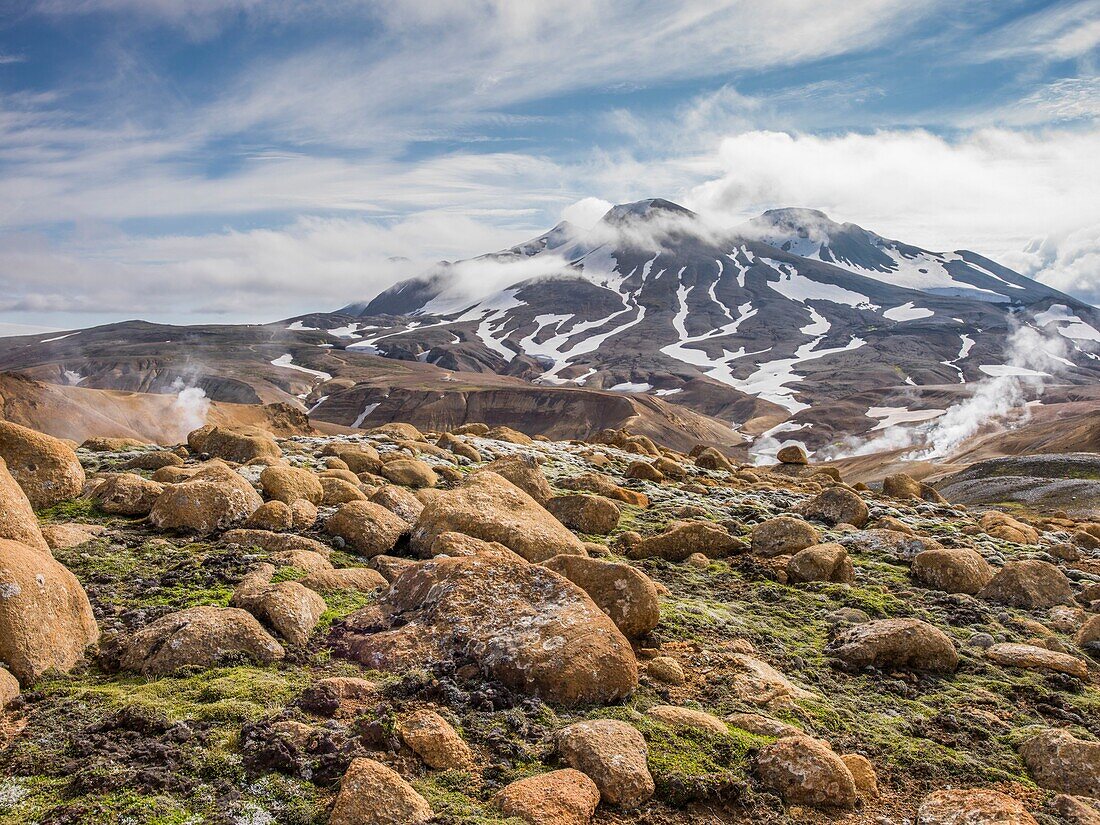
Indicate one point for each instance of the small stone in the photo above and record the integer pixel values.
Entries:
(372, 794)
(666, 669)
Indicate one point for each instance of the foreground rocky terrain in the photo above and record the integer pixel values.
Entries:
(396, 626)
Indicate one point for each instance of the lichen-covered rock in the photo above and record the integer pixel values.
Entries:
(591, 514)
(782, 536)
(677, 717)
(602, 485)
(46, 619)
(238, 444)
(288, 484)
(1028, 583)
(458, 447)
(359, 458)
(565, 797)
(821, 563)
(9, 688)
(213, 499)
(372, 794)
(805, 771)
(198, 636)
(521, 623)
(952, 570)
(1004, 526)
(345, 578)
(275, 516)
(289, 607)
(338, 491)
(624, 593)
(153, 460)
(303, 514)
(683, 538)
(1059, 761)
(17, 519)
(901, 485)
(45, 467)
(792, 454)
(895, 644)
(368, 528)
(127, 494)
(710, 459)
(488, 507)
(900, 546)
(837, 505)
(410, 472)
(613, 755)
(1037, 658)
(972, 806)
(432, 738)
(525, 474)
(399, 501)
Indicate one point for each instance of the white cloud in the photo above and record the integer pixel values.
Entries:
(990, 190)
(586, 212)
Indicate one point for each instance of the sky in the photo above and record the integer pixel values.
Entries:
(225, 161)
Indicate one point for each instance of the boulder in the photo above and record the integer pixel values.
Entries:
(213, 499)
(127, 494)
(1032, 657)
(458, 447)
(372, 794)
(682, 538)
(345, 578)
(604, 486)
(17, 519)
(304, 514)
(432, 738)
(805, 771)
(645, 471)
(1088, 634)
(9, 688)
(239, 444)
(289, 607)
(837, 505)
(201, 637)
(895, 644)
(972, 806)
(100, 444)
(494, 611)
(410, 472)
(1004, 526)
(152, 461)
(45, 467)
(1059, 761)
(368, 528)
(399, 501)
(337, 491)
(1076, 810)
(677, 717)
(459, 544)
(792, 454)
(523, 472)
(783, 536)
(62, 536)
(821, 563)
(624, 593)
(665, 669)
(585, 513)
(901, 485)
(902, 547)
(863, 772)
(952, 570)
(613, 755)
(1028, 583)
(275, 516)
(288, 484)
(46, 620)
(565, 797)
(488, 507)
(359, 458)
(507, 435)
(710, 459)
(278, 543)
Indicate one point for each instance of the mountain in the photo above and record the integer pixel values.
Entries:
(753, 324)
(791, 324)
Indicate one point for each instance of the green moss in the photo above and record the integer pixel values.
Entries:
(343, 603)
(76, 509)
(449, 794)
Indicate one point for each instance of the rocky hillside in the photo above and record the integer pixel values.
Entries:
(471, 626)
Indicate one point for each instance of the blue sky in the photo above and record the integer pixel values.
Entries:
(239, 160)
